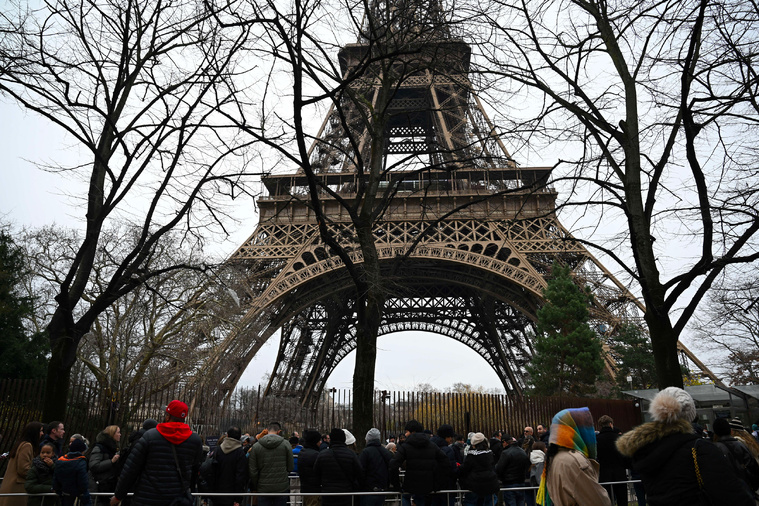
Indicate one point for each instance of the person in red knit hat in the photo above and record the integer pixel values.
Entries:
(164, 463)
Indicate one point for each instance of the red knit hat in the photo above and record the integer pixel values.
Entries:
(177, 409)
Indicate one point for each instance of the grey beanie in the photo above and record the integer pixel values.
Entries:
(373, 435)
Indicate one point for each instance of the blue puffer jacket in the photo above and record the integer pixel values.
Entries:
(70, 479)
(151, 470)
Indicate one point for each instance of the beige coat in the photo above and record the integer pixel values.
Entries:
(572, 480)
(15, 476)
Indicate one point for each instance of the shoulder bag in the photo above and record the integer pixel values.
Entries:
(185, 499)
(703, 497)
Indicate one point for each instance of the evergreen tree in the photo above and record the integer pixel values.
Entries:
(567, 355)
(635, 359)
(21, 355)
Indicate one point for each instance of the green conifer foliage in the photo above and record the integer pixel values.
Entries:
(21, 355)
(567, 352)
(635, 360)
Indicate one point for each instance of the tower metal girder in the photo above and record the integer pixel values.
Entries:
(465, 239)
(452, 310)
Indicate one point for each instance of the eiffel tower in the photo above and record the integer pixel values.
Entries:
(476, 231)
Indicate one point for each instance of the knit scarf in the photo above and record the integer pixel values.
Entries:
(572, 429)
(43, 470)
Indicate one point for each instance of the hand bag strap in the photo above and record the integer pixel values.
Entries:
(176, 461)
(698, 471)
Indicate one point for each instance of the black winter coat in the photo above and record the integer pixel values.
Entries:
(448, 473)
(338, 470)
(496, 446)
(477, 473)
(309, 482)
(104, 472)
(739, 456)
(512, 465)
(150, 470)
(230, 473)
(70, 479)
(612, 464)
(662, 454)
(56, 443)
(375, 461)
(423, 460)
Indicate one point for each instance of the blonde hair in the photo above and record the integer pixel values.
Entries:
(746, 438)
(111, 431)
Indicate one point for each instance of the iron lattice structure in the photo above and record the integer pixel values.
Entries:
(465, 238)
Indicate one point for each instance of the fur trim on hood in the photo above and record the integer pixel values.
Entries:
(643, 435)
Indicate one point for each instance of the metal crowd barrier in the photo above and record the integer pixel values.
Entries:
(392, 498)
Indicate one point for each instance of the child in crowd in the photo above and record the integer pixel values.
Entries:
(70, 479)
(39, 479)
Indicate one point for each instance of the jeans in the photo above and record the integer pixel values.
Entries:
(515, 498)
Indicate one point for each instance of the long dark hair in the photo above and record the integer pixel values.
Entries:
(31, 435)
(553, 449)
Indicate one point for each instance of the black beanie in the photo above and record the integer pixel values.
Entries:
(721, 427)
(311, 438)
(337, 436)
(445, 431)
(77, 446)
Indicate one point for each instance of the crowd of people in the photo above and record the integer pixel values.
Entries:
(563, 463)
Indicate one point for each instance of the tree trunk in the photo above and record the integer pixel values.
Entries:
(370, 304)
(664, 345)
(64, 341)
(369, 320)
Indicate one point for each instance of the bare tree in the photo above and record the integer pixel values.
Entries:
(157, 334)
(137, 85)
(727, 327)
(653, 103)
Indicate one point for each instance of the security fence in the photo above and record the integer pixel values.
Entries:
(91, 408)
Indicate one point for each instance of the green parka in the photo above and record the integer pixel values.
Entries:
(269, 463)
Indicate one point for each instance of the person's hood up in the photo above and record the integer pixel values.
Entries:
(174, 432)
(230, 444)
(271, 441)
(418, 440)
(537, 456)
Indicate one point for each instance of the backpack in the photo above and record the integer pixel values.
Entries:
(207, 474)
(535, 473)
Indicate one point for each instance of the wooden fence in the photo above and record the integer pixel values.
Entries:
(90, 409)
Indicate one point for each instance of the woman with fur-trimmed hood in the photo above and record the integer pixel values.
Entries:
(666, 452)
